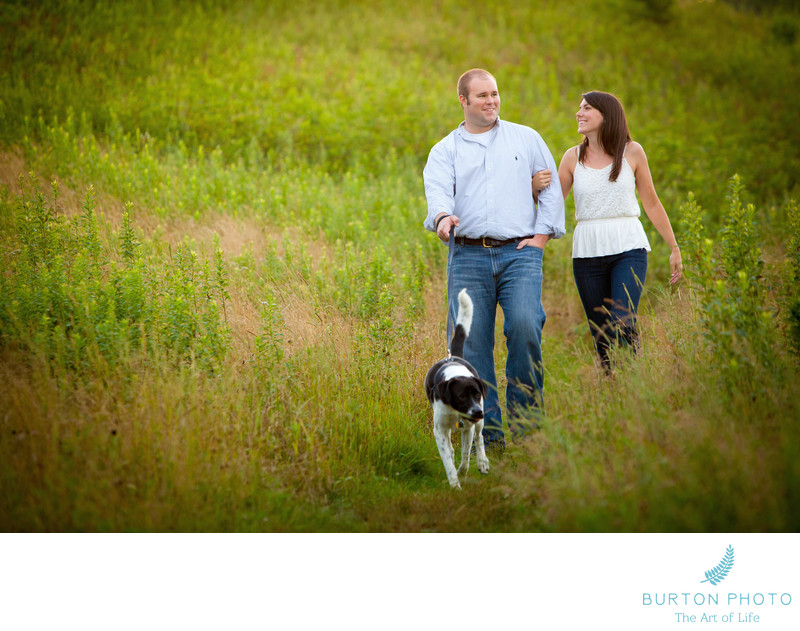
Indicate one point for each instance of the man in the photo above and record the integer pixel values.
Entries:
(478, 183)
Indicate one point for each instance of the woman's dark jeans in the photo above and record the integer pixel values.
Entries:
(610, 288)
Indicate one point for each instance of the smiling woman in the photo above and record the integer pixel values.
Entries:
(589, 118)
(609, 247)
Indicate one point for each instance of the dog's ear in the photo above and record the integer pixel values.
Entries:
(443, 391)
(483, 387)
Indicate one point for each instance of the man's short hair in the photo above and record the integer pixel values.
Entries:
(465, 80)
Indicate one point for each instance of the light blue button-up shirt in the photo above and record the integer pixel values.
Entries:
(485, 180)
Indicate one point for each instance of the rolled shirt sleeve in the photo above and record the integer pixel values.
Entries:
(550, 217)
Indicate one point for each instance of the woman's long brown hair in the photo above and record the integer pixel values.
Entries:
(614, 134)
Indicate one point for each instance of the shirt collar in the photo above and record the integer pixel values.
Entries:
(462, 130)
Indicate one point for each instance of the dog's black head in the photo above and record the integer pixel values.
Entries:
(465, 395)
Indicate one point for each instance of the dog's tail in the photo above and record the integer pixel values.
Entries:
(463, 324)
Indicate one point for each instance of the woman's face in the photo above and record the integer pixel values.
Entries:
(589, 119)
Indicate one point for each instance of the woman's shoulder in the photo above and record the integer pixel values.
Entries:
(571, 155)
(634, 155)
(634, 150)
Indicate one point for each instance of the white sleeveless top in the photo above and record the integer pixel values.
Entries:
(607, 212)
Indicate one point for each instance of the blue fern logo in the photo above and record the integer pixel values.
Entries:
(718, 574)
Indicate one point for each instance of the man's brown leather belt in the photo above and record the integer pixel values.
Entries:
(488, 242)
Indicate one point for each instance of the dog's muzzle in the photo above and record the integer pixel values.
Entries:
(475, 414)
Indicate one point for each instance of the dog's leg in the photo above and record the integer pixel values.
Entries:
(449, 436)
(480, 449)
(467, 434)
(445, 445)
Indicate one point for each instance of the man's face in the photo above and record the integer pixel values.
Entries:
(482, 106)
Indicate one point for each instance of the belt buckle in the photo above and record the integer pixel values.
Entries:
(483, 242)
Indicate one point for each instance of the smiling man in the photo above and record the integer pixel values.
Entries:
(480, 101)
(478, 184)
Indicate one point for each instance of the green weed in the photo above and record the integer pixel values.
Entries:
(731, 287)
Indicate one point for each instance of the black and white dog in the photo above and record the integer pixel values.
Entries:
(456, 392)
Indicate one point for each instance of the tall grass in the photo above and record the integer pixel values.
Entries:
(217, 303)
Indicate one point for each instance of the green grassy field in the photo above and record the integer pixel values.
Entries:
(218, 303)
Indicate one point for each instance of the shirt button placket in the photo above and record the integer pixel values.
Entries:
(491, 210)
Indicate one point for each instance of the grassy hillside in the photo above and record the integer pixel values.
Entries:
(217, 301)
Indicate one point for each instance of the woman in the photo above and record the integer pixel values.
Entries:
(609, 247)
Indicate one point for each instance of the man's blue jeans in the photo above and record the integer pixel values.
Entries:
(511, 278)
(610, 288)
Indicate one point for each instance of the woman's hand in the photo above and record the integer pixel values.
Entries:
(675, 265)
(540, 181)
